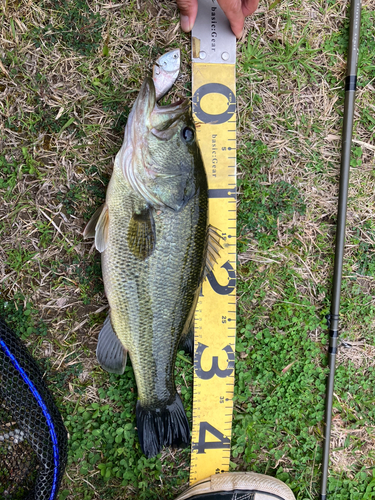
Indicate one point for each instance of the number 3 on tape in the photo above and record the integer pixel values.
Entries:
(214, 370)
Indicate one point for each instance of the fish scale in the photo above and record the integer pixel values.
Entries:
(160, 284)
(153, 235)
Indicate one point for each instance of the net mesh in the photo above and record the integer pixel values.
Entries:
(33, 439)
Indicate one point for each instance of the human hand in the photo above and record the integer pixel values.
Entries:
(235, 10)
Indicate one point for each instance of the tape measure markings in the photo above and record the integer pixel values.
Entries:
(214, 106)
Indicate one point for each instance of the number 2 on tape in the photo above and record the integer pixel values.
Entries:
(223, 289)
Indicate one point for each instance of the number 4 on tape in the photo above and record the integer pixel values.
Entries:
(203, 445)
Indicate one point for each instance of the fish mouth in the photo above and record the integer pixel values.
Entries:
(168, 118)
(145, 101)
(148, 120)
(158, 118)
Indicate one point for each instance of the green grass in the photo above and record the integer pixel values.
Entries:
(103, 438)
(22, 316)
(263, 204)
(73, 70)
(73, 25)
(280, 398)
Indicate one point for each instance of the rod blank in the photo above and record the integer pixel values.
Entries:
(333, 322)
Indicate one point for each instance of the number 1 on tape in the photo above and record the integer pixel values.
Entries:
(214, 107)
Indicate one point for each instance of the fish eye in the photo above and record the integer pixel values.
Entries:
(187, 134)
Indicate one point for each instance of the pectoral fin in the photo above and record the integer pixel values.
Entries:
(110, 352)
(141, 234)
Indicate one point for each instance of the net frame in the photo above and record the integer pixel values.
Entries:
(28, 417)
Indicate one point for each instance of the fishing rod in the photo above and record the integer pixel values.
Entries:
(333, 317)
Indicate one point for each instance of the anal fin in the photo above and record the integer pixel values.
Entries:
(110, 352)
(187, 337)
(187, 342)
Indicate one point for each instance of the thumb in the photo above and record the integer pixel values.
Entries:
(249, 7)
(188, 13)
(233, 10)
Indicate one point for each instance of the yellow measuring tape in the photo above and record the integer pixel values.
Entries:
(214, 106)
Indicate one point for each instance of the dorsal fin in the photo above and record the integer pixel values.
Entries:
(98, 228)
(101, 230)
(89, 231)
(212, 250)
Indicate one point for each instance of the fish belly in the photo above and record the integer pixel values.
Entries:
(151, 299)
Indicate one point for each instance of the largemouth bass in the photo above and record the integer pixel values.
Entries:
(152, 235)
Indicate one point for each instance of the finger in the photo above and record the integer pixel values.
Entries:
(249, 7)
(233, 10)
(188, 13)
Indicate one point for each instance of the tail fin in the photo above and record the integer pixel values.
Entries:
(160, 427)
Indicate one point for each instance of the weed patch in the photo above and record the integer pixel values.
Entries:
(21, 316)
(364, 258)
(89, 277)
(338, 41)
(12, 170)
(104, 438)
(75, 25)
(283, 55)
(280, 383)
(263, 205)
